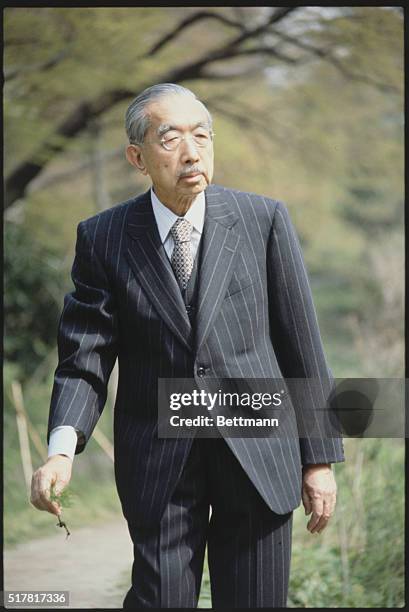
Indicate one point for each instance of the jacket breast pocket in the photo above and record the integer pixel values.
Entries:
(240, 308)
(238, 284)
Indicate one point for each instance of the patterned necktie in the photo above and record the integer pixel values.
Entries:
(181, 260)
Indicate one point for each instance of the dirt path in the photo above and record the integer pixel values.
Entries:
(90, 564)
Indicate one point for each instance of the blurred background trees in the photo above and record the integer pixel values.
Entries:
(308, 108)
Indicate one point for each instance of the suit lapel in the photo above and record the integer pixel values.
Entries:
(151, 266)
(219, 249)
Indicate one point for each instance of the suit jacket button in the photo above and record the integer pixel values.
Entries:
(201, 371)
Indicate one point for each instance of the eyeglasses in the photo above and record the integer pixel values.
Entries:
(172, 140)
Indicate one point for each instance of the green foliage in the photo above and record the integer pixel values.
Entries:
(65, 498)
(358, 561)
(33, 286)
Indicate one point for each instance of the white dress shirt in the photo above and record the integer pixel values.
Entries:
(63, 439)
(165, 219)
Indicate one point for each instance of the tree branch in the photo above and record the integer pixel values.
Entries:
(66, 45)
(276, 16)
(326, 55)
(244, 116)
(83, 165)
(16, 183)
(259, 51)
(40, 67)
(243, 36)
(220, 76)
(187, 22)
(9, 42)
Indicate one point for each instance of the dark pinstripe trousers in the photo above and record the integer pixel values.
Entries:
(249, 546)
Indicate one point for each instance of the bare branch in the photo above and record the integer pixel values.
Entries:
(16, 183)
(245, 34)
(220, 76)
(244, 117)
(276, 16)
(195, 70)
(260, 51)
(40, 67)
(327, 56)
(83, 165)
(67, 43)
(9, 42)
(240, 111)
(187, 22)
(240, 12)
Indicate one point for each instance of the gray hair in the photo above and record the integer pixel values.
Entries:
(136, 119)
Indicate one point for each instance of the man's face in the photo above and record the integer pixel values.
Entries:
(185, 171)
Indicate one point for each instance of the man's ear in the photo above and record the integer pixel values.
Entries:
(134, 156)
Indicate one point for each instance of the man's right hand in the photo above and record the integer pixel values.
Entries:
(56, 471)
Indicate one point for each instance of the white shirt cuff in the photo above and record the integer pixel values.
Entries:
(63, 441)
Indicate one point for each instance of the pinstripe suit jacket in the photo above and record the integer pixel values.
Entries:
(255, 318)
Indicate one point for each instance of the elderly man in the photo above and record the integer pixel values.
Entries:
(191, 280)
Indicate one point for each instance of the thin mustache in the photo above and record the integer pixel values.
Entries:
(190, 171)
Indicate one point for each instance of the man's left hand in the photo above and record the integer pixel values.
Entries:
(319, 493)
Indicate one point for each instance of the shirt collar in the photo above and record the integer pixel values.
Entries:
(165, 218)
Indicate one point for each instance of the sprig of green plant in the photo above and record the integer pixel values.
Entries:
(65, 498)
